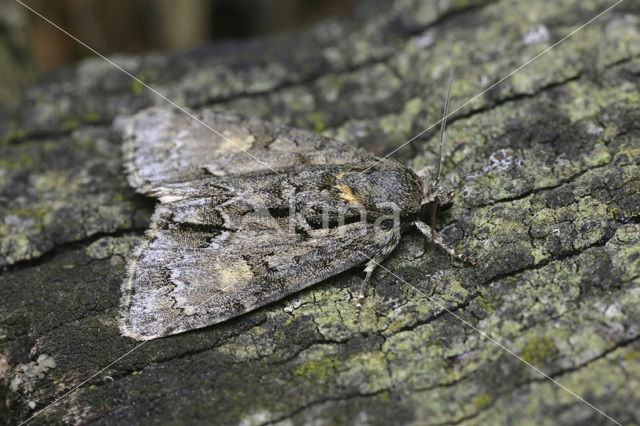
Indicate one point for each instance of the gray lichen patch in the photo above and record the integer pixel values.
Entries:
(25, 376)
(108, 247)
(624, 250)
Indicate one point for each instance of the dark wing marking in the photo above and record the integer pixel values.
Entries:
(198, 267)
(167, 146)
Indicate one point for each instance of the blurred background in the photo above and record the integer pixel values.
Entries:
(30, 46)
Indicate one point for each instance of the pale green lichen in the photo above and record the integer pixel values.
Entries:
(539, 351)
(70, 123)
(258, 343)
(317, 121)
(318, 364)
(483, 400)
(366, 371)
(19, 162)
(489, 301)
(92, 117)
(144, 77)
(318, 370)
(106, 247)
(624, 250)
(13, 133)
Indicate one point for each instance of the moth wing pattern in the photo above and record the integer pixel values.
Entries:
(206, 258)
(181, 281)
(166, 146)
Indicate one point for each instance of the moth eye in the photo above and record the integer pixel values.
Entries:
(387, 224)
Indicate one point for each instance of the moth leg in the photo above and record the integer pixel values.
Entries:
(390, 245)
(437, 240)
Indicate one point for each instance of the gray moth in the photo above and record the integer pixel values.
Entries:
(253, 214)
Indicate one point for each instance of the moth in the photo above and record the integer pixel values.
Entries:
(255, 213)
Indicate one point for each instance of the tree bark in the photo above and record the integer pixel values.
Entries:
(546, 168)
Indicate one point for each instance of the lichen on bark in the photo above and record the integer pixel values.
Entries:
(546, 169)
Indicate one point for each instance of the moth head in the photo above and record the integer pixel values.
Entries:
(434, 193)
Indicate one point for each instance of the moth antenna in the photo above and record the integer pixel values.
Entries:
(443, 124)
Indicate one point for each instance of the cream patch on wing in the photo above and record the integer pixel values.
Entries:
(235, 140)
(195, 288)
(232, 276)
